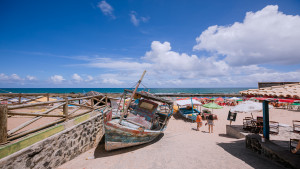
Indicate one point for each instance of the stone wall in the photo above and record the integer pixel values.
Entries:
(59, 148)
(234, 131)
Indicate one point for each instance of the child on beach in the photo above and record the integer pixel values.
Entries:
(210, 122)
(199, 121)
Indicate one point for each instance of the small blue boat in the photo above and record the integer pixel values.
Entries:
(190, 114)
(187, 110)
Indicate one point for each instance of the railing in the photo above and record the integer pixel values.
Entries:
(83, 105)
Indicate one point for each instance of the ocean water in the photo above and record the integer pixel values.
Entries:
(120, 90)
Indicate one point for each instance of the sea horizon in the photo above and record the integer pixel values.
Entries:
(223, 90)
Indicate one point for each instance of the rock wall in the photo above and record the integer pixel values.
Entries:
(59, 148)
(234, 131)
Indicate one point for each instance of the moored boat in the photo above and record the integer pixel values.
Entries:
(141, 122)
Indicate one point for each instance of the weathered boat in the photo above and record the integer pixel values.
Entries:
(141, 122)
(187, 110)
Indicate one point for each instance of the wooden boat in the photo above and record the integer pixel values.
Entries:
(144, 121)
(187, 110)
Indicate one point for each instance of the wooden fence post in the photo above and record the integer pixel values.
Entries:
(3, 123)
(92, 102)
(105, 100)
(66, 109)
(20, 97)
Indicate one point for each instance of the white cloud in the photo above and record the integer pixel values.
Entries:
(136, 20)
(112, 81)
(145, 19)
(10, 79)
(28, 77)
(292, 76)
(56, 79)
(15, 77)
(133, 19)
(89, 78)
(76, 77)
(265, 36)
(106, 9)
(165, 60)
(3, 76)
(117, 65)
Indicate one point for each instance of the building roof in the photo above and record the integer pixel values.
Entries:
(282, 91)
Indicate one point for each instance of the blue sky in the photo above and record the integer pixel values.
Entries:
(194, 43)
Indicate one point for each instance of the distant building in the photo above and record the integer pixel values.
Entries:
(270, 84)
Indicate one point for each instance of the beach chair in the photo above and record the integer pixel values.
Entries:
(259, 124)
(296, 126)
(247, 123)
(274, 127)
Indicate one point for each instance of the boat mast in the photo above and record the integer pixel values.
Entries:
(137, 86)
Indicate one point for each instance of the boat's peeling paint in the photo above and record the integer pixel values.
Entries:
(117, 136)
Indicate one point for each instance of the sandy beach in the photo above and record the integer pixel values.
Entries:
(182, 146)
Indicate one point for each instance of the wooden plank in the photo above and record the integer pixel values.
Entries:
(3, 123)
(72, 112)
(100, 101)
(31, 99)
(32, 120)
(35, 114)
(76, 115)
(81, 105)
(45, 103)
(33, 104)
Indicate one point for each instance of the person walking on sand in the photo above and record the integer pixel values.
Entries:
(210, 122)
(199, 121)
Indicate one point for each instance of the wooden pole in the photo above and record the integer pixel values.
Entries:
(92, 102)
(137, 86)
(47, 97)
(3, 123)
(266, 127)
(106, 101)
(76, 115)
(43, 103)
(35, 114)
(20, 97)
(66, 109)
(81, 105)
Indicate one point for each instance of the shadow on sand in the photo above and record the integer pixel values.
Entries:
(225, 135)
(101, 152)
(239, 150)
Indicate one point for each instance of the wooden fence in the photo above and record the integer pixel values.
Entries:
(83, 104)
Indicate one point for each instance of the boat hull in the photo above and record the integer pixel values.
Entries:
(191, 115)
(119, 136)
